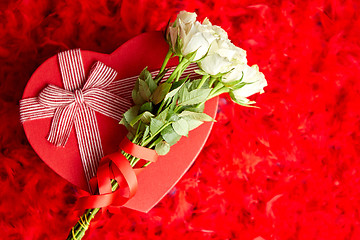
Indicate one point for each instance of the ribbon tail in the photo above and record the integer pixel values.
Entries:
(88, 137)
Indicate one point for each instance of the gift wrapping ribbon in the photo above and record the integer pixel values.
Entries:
(116, 166)
(75, 105)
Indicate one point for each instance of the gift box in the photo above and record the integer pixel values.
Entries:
(121, 68)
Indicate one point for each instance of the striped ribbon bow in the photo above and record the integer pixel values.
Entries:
(76, 104)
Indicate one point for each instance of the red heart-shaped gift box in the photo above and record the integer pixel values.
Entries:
(148, 49)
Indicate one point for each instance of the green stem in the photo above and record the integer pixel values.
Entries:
(216, 91)
(217, 87)
(147, 141)
(132, 161)
(186, 64)
(212, 80)
(161, 106)
(203, 80)
(177, 108)
(178, 68)
(166, 60)
(137, 131)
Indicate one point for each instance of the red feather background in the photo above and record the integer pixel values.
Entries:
(289, 170)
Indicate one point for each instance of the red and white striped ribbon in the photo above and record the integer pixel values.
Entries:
(76, 104)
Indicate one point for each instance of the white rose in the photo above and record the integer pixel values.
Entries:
(224, 57)
(255, 83)
(184, 20)
(193, 35)
(221, 33)
(214, 64)
(235, 74)
(198, 39)
(187, 17)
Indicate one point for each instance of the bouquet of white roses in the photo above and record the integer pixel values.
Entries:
(168, 108)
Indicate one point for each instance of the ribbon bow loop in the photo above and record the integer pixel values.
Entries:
(100, 76)
(53, 97)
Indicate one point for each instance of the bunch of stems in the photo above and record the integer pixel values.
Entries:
(79, 230)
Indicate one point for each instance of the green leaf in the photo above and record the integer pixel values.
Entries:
(132, 113)
(162, 148)
(183, 92)
(125, 123)
(163, 115)
(160, 92)
(122, 121)
(152, 85)
(144, 90)
(148, 106)
(236, 83)
(188, 85)
(174, 101)
(155, 125)
(170, 136)
(179, 83)
(191, 56)
(195, 84)
(173, 92)
(138, 100)
(181, 127)
(245, 102)
(196, 108)
(144, 117)
(172, 116)
(146, 76)
(142, 126)
(193, 123)
(178, 45)
(219, 91)
(194, 97)
(197, 116)
(160, 77)
(237, 86)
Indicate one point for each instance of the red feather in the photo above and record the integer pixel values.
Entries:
(289, 170)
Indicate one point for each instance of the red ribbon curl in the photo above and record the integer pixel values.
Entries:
(116, 166)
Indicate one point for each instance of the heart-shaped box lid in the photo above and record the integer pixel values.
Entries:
(148, 49)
